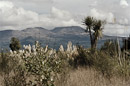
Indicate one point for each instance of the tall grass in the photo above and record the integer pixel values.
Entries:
(90, 77)
(75, 66)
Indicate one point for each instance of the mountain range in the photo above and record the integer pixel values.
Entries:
(54, 38)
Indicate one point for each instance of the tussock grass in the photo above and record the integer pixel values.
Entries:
(89, 77)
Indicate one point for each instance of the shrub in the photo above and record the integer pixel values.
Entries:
(11, 70)
(42, 63)
(38, 66)
(15, 44)
(110, 47)
(83, 58)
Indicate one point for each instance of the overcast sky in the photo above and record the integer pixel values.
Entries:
(20, 14)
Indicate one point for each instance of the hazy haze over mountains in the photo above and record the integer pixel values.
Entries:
(54, 38)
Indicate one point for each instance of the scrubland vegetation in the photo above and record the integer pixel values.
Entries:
(74, 66)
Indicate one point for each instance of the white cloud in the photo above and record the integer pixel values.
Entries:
(31, 1)
(59, 17)
(19, 14)
(15, 17)
(39, 6)
(61, 14)
(123, 21)
(124, 3)
(94, 3)
(116, 30)
(18, 18)
(6, 4)
(109, 17)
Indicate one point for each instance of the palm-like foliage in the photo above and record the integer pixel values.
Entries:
(89, 22)
(96, 26)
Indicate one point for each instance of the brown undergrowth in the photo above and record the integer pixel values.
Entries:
(89, 77)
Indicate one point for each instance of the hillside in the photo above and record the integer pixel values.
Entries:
(54, 38)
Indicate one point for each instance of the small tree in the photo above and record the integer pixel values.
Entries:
(94, 27)
(15, 44)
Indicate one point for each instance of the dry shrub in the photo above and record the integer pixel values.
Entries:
(89, 77)
(98, 60)
(105, 60)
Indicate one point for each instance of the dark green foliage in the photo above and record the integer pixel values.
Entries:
(105, 64)
(106, 60)
(94, 27)
(15, 44)
(43, 66)
(99, 60)
(110, 47)
(4, 62)
(81, 59)
(88, 22)
(7, 63)
(36, 65)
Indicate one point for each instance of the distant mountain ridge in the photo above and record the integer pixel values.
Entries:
(54, 38)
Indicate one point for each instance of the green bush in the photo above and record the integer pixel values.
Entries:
(15, 44)
(37, 66)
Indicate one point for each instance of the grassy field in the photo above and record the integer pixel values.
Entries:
(89, 77)
(74, 66)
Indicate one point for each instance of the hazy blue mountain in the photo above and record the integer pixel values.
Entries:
(69, 30)
(54, 38)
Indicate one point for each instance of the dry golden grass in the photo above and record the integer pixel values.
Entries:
(1, 81)
(89, 77)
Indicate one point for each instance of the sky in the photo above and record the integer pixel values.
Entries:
(21, 14)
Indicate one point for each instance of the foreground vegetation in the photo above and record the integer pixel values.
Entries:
(74, 66)
(90, 77)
